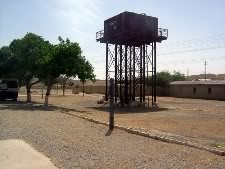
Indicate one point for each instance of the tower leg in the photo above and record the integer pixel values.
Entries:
(141, 83)
(144, 66)
(107, 71)
(134, 80)
(155, 71)
(121, 73)
(116, 89)
(153, 78)
(130, 73)
(126, 77)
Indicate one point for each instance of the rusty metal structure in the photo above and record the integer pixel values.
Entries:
(131, 40)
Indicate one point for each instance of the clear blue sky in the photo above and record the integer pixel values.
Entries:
(79, 20)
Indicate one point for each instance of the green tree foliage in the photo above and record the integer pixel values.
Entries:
(7, 62)
(164, 77)
(31, 57)
(86, 72)
(63, 81)
(177, 76)
(65, 59)
(30, 53)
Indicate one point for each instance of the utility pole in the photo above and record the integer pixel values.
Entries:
(205, 69)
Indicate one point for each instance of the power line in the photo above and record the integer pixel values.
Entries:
(191, 60)
(191, 42)
(182, 43)
(185, 63)
(178, 52)
(194, 40)
(194, 50)
(188, 45)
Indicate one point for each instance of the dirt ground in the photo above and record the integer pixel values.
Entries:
(200, 120)
(74, 143)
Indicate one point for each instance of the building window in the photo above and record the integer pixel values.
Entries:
(194, 90)
(209, 90)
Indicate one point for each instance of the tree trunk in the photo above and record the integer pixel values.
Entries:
(49, 86)
(42, 91)
(28, 93)
(28, 87)
(83, 88)
(57, 88)
(64, 86)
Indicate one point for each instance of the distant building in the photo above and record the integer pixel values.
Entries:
(221, 77)
(198, 89)
(201, 80)
(208, 76)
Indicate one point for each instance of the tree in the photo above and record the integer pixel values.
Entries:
(86, 72)
(30, 53)
(177, 76)
(164, 77)
(70, 82)
(65, 59)
(7, 63)
(63, 81)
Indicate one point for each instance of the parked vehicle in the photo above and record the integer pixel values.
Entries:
(8, 89)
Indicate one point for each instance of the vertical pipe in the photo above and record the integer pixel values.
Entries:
(134, 80)
(147, 78)
(144, 73)
(141, 73)
(126, 78)
(147, 85)
(116, 90)
(130, 73)
(155, 71)
(121, 62)
(111, 113)
(152, 79)
(106, 75)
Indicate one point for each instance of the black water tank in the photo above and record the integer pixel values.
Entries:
(129, 24)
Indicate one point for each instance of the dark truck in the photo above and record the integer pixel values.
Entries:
(8, 89)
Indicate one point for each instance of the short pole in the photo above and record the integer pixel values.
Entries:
(111, 113)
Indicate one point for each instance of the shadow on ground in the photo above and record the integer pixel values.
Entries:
(127, 110)
(33, 106)
(37, 106)
(109, 132)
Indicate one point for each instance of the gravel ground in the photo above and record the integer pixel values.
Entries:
(71, 142)
(202, 120)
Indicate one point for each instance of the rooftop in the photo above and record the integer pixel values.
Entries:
(211, 82)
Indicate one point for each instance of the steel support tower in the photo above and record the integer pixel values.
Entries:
(133, 66)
